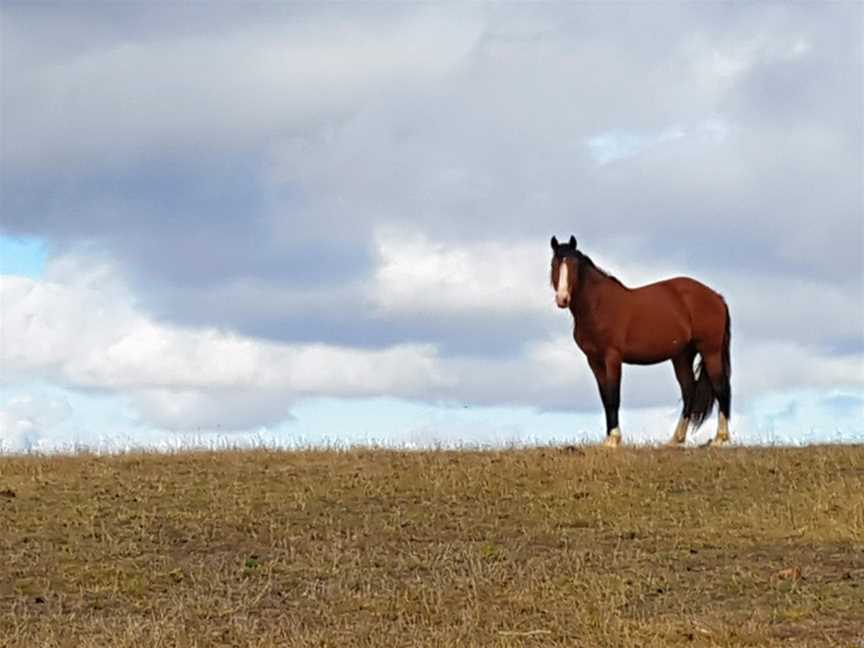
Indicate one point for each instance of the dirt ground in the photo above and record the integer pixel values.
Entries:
(546, 547)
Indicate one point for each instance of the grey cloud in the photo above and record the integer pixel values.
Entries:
(326, 317)
(255, 208)
(232, 88)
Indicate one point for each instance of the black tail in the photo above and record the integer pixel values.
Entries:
(704, 396)
(727, 339)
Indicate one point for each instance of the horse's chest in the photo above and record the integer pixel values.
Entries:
(589, 340)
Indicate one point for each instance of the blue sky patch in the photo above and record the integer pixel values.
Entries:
(22, 256)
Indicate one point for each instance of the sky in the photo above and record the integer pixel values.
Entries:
(328, 224)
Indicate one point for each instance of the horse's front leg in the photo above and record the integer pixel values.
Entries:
(607, 371)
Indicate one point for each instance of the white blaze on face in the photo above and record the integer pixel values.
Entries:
(562, 294)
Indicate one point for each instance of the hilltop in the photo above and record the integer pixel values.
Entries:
(543, 547)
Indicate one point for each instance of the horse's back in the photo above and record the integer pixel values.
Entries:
(693, 305)
(696, 294)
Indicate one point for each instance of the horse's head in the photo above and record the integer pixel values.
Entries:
(565, 269)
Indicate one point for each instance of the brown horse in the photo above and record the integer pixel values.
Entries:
(668, 320)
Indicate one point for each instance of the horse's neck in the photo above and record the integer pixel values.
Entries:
(593, 291)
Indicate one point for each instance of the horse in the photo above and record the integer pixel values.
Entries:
(675, 320)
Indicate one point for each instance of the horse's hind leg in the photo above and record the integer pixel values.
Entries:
(683, 364)
(723, 390)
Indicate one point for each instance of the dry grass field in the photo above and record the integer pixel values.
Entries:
(544, 547)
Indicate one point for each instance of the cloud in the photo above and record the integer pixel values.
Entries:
(421, 276)
(86, 332)
(82, 336)
(86, 336)
(245, 208)
(226, 409)
(24, 420)
(165, 90)
(771, 367)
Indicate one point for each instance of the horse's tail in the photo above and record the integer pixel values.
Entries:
(703, 396)
(727, 339)
(703, 392)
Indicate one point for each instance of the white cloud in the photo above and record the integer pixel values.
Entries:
(422, 276)
(25, 419)
(80, 327)
(212, 408)
(180, 378)
(765, 366)
(76, 335)
(719, 59)
(69, 331)
(418, 275)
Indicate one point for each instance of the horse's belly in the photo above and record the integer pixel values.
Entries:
(641, 358)
(647, 345)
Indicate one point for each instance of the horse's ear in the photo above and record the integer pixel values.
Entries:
(554, 244)
(572, 242)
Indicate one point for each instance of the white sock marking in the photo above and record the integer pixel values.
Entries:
(723, 427)
(681, 430)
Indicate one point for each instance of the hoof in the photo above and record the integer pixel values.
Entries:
(717, 443)
(612, 442)
(674, 443)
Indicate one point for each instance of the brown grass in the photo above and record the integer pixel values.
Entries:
(581, 547)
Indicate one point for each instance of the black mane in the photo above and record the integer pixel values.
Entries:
(584, 259)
